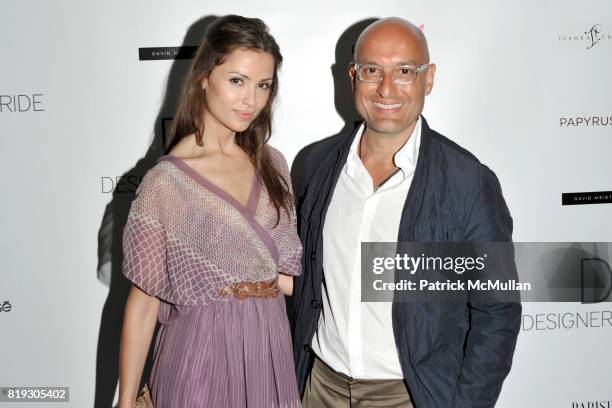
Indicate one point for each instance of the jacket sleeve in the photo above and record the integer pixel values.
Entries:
(494, 326)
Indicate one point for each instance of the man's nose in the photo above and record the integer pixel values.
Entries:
(386, 87)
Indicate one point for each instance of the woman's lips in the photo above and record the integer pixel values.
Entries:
(244, 115)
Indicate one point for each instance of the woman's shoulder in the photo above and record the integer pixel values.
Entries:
(160, 176)
(277, 158)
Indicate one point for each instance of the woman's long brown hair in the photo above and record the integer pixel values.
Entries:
(225, 35)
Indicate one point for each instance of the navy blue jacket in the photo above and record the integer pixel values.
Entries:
(450, 356)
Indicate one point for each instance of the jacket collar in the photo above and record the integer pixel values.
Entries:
(416, 193)
(417, 187)
(414, 199)
(405, 158)
(347, 141)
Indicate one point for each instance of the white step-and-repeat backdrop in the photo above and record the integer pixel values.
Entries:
(87, 91)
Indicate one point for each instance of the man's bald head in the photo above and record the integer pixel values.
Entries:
(394, 47)
(397, 30)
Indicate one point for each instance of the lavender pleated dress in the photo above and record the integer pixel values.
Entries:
(185, 239)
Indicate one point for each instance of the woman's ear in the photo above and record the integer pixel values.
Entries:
(204, 84)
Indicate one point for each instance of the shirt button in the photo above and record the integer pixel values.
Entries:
(313, 255)
(316, 304)
(307, 348)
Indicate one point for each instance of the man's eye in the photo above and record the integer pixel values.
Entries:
(372, 70)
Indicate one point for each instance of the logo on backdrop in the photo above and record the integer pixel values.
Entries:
(592, 197)
(594, 319)
(595, 288)
(5, 306)
(591, 37)
(166, 53)
(594, 35)
(21, 103)
(120, 184)
(592, 404)
(585, 121)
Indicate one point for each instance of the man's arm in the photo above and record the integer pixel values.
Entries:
(494, 327)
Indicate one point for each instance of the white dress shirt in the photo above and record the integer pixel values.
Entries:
(354, 337)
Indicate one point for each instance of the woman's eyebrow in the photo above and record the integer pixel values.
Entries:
(238, 73)
(247, 77)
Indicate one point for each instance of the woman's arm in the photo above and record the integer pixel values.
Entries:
(138, 327)
(285, 283)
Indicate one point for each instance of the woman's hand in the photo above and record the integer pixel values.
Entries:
(285, 283)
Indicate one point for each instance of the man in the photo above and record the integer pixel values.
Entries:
(394, 179)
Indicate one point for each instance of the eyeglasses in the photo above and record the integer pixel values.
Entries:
(401, 74)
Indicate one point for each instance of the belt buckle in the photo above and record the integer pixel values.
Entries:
(241, 290)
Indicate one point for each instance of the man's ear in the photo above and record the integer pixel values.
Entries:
(429, 78)
(352, 75)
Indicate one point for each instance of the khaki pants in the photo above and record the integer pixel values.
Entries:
(327, 388)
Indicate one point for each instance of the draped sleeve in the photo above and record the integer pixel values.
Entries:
(144, 239)
(287, 239)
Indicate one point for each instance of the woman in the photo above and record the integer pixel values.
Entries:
(211, 237)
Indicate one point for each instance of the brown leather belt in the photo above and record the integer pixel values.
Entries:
(245, 290)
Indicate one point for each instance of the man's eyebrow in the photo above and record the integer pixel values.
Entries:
(409, 62)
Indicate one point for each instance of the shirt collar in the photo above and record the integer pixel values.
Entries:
(405, 158)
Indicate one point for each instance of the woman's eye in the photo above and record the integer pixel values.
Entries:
(236, 81)
(265, 85)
